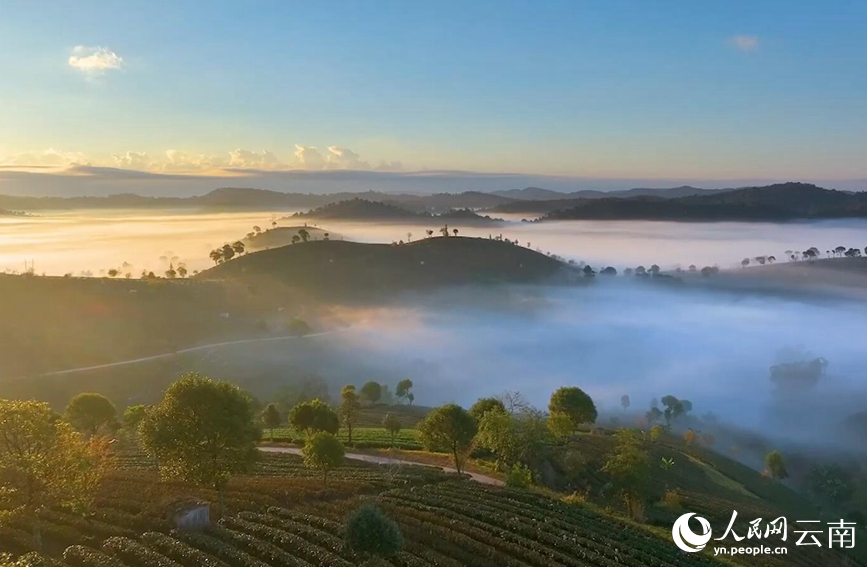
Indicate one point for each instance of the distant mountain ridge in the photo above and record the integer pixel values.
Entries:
(782, 201)
(362, 209)
(539, 194)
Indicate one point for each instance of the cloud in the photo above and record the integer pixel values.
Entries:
(94, 60)
(344, 158)
(182, 162)
(247, 159)
(744, 42)
(50, 158)
(134, 160)
(309, 157)
(389, 166)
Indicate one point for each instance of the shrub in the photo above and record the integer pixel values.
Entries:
(80, 556)
(368, 530)
(519, 476)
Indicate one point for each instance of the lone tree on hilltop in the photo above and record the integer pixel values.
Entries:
(203, 431)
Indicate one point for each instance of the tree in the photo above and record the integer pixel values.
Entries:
(451, 428)
(455, 231)
(228, 252)
(513, 438)
(410, 398)
(133, 416)
(271, 418)
(370, 531)
(182, 271)
(349, 406)
(323, 452)
(44, 462)
(313, 417)
(296, 239)
(91, 412)
(304, 235)
(203, 431)
(519, 476)
(656, 432)
(372, 391)
(674, 408)
(171, 273)
(574, 405)
(392, 425)
(484, 405)
(112, 273)
(624, 402)
(238, 247)
(429, 233)
(403, 387)
(776, 465)
(745, 262)
(216, 255)
(689, 437)
(629, 468)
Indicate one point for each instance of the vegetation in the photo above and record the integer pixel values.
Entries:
(450, 428)
(203, 432)
(323, 452)
(371, 391)
(91, 412)
(349, 406)
(271, 419)
(776, 466)
(370, 531)
(629, 467)
(572, 407)
(314, 416)
(391, 423)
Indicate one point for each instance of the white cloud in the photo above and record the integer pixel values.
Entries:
(309, 157)
(182, 162)
(94, 60)
(744, 42)
(134, 160)
(344, 158)
(47, 158)
(389, 166)
(254, 160)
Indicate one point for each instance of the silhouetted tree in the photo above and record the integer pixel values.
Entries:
(372, 391)
(624, 401)
(91, 412)
(314, 416)
(305, 236)
(403, 387)
(271, 419)
(572, 404)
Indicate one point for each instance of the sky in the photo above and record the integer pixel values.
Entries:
(698, 90)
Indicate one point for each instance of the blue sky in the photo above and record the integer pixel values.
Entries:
(620, 89)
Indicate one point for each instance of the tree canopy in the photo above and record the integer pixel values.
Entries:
(402, 389)
(451, 428)
(349, 406)
(203, 431)
(314, 416)
(369, 530)
(90, 412)
(372, 391)
(573, 404)
(323, 452)
(776, 465)
(484, 405)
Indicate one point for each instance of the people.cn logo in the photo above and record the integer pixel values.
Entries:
(685, 538)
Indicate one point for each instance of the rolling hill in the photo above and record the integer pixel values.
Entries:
(783, 201)
(350, 269)
(362, 209)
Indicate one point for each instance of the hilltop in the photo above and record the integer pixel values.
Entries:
(783, 201)
(350, 268)
(363, 209)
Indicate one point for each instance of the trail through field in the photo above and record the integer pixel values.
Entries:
(186, 350)
(376, 459)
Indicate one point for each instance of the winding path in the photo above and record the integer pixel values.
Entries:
(184, 351)
(376, 459)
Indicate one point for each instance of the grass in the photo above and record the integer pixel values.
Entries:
(361, 437)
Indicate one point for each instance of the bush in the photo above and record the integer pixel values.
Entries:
(80, 556)
(184, 554)
(368, 530)
(135, 554)
(671, 500)
(519, 476)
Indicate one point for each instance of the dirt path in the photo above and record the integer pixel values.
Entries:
(184, 351)
(484, 479)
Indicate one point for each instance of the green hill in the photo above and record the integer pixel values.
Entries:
(351, 268)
